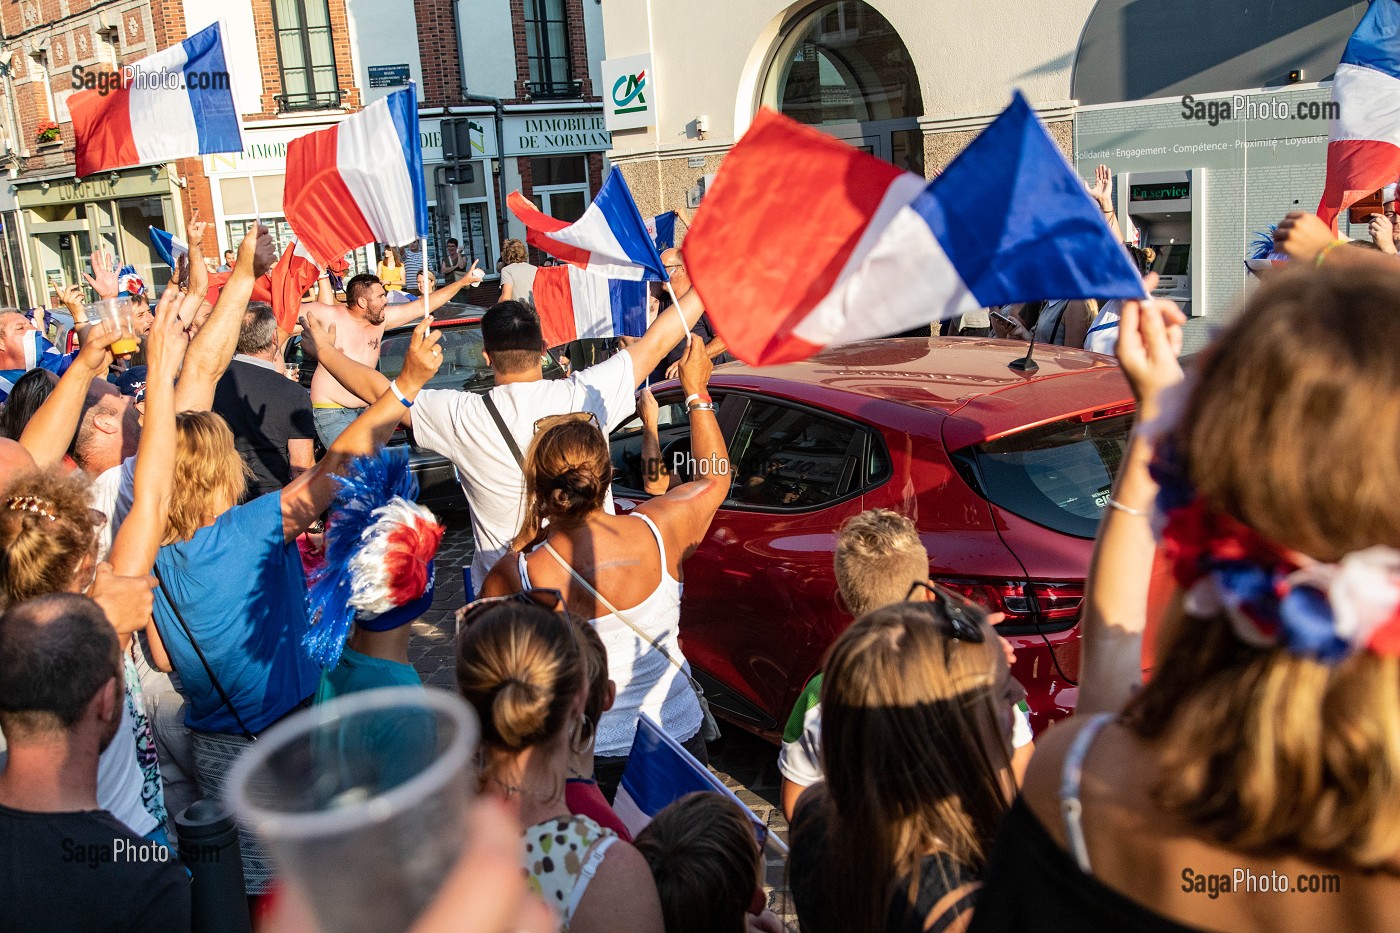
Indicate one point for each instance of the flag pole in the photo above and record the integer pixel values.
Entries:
(427, 278)
(676, 303)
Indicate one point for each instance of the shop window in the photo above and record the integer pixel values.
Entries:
(305, 57)
(560, 186)
(844, 68)
(547, 51)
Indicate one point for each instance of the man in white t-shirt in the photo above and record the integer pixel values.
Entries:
(460, 426)
(878, 558)
(108, 432)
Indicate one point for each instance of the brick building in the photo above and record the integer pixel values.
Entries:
(522, 78)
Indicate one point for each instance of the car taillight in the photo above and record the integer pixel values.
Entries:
(1025, 604)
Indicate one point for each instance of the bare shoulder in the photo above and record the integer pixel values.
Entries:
(622, 896)
(503, 578)
(1041, 789)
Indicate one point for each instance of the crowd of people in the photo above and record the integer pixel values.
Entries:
(177, 578)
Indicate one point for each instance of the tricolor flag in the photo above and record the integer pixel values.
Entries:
(662, 228)
(575, 304)
(660, 772)
(39, 353)
(1363, 145)
(168, 246)
(806, 242)
(609, 240)
(175, 104)
(294, 273)
(360, 181)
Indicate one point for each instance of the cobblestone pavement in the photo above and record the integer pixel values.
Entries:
(745, 763)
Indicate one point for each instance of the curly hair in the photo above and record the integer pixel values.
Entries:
(513, 251)
(46, 533)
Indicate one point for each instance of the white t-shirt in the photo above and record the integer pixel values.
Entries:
(801, 761)
(457, 425)
(112, 493)
(119, 778)
(1103, 333)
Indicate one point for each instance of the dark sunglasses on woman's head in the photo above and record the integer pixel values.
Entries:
(964, 617)
(545, 598)
(549, 421)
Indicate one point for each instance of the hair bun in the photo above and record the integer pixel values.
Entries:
(519, 712)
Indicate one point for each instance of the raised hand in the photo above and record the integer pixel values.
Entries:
(71, 297)
(476, 274)
(104, 274)
(167, 341)
(695, 366)
(647, 408)
(424, 357)
(1382, 233)
(1149, 344)
(316, 333)
(257, 251)
(1302, 235)
(1103, 184)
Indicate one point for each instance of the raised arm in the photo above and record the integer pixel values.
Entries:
(199, 271)
(684, 513)
(307, 496)
(399, 315)
(366, 382)
(1120, 572)
(212, 349)
(141, 533)
(656, 476)
(50, 430)
(663, 335)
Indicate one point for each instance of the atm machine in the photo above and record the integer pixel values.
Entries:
(1167, 211)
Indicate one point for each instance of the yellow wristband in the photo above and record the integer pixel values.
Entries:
(1322, 254)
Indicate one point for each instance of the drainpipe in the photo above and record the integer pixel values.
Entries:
(500, 109)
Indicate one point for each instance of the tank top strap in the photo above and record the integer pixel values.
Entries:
(660, 542)
(591, 863)
(1071, 775)
(524, 571)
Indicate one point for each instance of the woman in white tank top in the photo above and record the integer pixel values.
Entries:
(622, 572)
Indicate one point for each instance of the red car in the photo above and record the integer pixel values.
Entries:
(1006, 475)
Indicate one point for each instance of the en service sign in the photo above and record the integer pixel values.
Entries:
(629, 93)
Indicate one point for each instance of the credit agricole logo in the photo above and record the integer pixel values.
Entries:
(627, 93)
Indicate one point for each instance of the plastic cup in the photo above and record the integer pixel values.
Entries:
(117, 313)
(362, 802)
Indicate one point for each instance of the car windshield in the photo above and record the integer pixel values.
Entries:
(463, 364)
(1059, 475)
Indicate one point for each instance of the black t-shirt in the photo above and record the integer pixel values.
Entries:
(86, 871)
(264, 409)
(813, 897)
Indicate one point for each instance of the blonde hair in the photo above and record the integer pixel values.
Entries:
(520, 667)
(878, 557)
(40, 554)
(1294, 429)
(916, 749)
(513, 251)
(211, 475)
(567, 475)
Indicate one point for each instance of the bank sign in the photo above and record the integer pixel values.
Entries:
(629, 93)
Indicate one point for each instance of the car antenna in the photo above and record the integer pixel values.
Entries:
(1026, 364)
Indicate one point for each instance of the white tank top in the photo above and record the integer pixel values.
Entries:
(646, 682)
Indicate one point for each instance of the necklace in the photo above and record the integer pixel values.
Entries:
(513, 790)
(576, 773)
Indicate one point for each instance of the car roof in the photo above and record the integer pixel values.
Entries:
(959, 378)
(474, 318)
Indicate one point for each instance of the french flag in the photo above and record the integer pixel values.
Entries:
(806, 242)
(662, 228)
(175, 104)
(610, 240)
(1363, 144)
(360, 181)
(574, 304)
(660, 772)
(168, 246)
(294, 273)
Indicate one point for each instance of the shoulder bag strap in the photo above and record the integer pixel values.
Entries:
(218, 687)
(501, 426)
(614, 610)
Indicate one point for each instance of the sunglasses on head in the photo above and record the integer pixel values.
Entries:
(964, 618)
(545, 598)
(549, 421)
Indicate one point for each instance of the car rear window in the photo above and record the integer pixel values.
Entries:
(1058, 475)
(463, 364)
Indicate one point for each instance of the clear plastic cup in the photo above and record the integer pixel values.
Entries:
(118, 314)
(362, 802)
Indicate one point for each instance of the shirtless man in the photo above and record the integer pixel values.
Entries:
(359, 326)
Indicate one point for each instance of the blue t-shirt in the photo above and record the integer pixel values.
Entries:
(399, 745)
(357, 672)
(240, 587)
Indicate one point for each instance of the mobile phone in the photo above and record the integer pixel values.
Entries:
(1006, 319)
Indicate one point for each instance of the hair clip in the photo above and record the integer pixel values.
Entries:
(33, 504)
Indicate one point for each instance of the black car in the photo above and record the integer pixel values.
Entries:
(463, 367)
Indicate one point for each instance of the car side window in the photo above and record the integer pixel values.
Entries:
(463, 364)
(630, 471)
(787, 457)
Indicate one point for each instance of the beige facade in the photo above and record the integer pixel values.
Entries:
(711, 62)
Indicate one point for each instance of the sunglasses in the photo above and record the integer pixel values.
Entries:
(964, 618)
(584, 417)
(545, 598)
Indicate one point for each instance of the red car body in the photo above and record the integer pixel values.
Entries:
(937, 429)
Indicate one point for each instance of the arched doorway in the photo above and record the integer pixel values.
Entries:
(843, 69)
